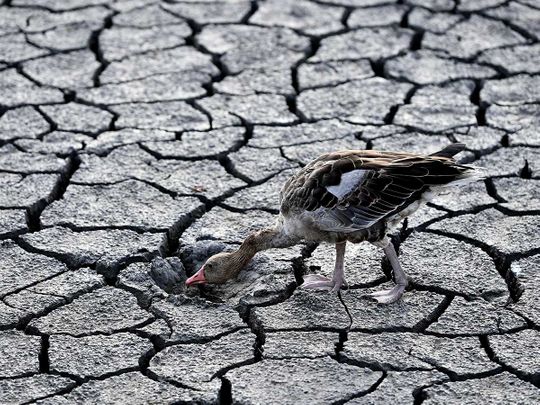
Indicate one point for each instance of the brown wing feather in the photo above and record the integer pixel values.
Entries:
(390, 181)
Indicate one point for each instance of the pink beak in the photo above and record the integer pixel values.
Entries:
(197, 278)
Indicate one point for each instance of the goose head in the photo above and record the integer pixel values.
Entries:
(225, 266)
(217, 270)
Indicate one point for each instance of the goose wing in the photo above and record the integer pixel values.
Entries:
(351, 190)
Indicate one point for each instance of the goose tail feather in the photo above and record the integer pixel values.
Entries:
(450, 150)
(473, 174)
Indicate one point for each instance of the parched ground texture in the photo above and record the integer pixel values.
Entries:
(138, 137)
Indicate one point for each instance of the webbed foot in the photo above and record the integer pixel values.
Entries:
(318, 282)
(388, 296)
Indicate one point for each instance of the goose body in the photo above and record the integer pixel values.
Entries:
(360, 195)
(347, 196)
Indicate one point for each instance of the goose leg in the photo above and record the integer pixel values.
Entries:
(393, 294)
(317, 282)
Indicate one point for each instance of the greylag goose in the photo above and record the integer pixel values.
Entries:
(347, 196)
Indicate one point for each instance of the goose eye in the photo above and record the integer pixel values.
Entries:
(208, 266)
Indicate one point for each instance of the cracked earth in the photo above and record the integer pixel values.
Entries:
(139, 137)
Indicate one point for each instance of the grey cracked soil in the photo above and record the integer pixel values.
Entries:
(139, 137)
